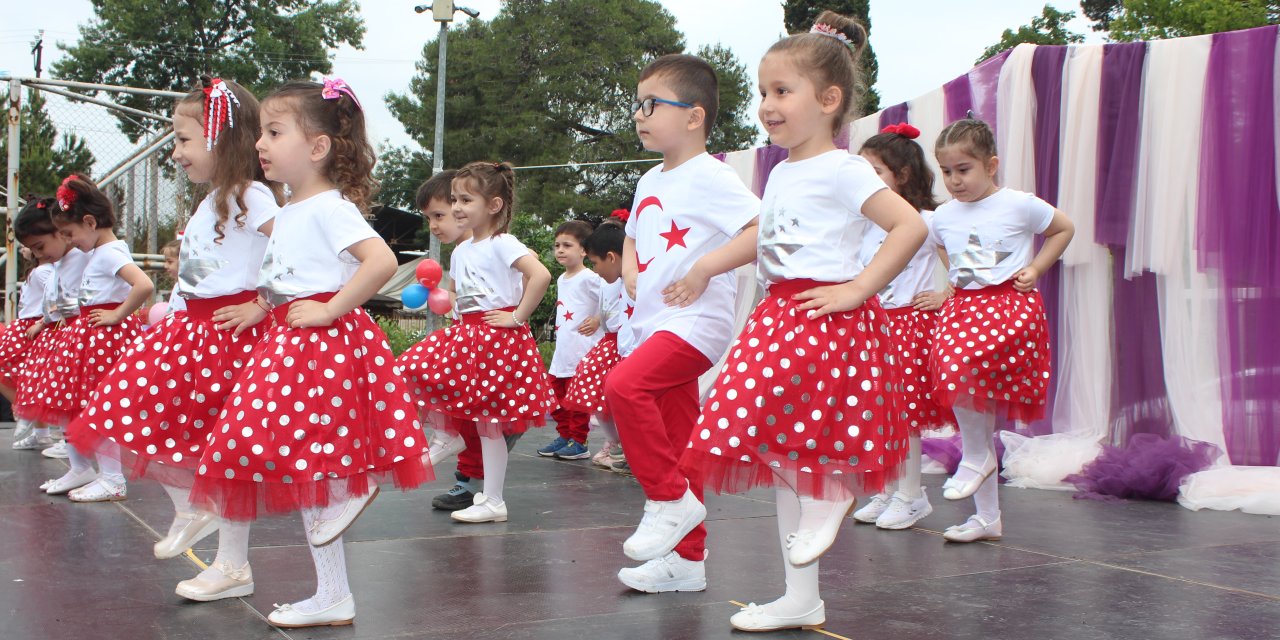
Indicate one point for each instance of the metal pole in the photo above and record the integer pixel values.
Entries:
(437, 155)
(130, 206)
(104, 87)
(11, 180)
(104, 103)
(153, 217)
(134, 159)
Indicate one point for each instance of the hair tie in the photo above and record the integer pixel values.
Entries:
(903, 129)
(66, 196)
(335, 87)
(621, 214)
(830, 32)
(218, 114)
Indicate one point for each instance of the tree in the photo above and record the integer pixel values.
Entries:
(168, 44)
(798, 16)
(1050, 27)
(1101, 12)
(1159, 19)
(46, 158)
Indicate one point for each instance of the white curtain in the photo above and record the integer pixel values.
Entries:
(1016, 109)
(928, 113)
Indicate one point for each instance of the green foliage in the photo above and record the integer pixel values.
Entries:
(1050, 27)
(46, 158)
(399, 338)
(1160, 19)
(546, 350)
(1101, 12)
(538, 235)
(798, 17)
(168, 44)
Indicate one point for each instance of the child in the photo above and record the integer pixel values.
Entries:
(991, 349)
(15, 346)
(805, 402)
(485, 372)
(164, 420)
(577, 332)
(320, 409)
(34, 229)
(911, 305)
(693, 221)
(171, 251)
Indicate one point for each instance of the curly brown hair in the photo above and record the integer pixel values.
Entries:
(905, 159)
(492, 180)
(351, 158)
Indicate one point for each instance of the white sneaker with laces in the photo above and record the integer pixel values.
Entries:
(904, 512)
(663, 526)
(870, 513)
(22, 429)
(667, 573)
(57, 451)
(482, 509)
(32, 441)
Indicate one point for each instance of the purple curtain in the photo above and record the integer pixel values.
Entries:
(1119, 114)
(893, 115)
(984, 80)
(959, 98)
(766, 159)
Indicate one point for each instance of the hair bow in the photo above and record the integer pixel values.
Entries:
(335, 87)
(66, 196)
(621, 214)
(218, 115)
(903, 129)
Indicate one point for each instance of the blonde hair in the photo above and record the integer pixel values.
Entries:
(830, 59)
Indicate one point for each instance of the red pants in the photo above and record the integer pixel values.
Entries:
(470, 464)
(653, 395)
(572, 425)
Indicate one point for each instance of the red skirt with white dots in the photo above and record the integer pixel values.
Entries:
(912, 331)
(34, 381)
(163, 395)
(991, 353)
(15, 348)
(314, 411)
(472, 373)
(48, 390)
(586, 389)
(810, 399)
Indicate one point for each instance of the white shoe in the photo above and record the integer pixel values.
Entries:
(954, 489)
(99, 491)
(870, 513)
(339, 614)
(667, 573)
(194, 529)
(663, 526)
(32, 441)
(806, 545)
(323, 532)
(444, 446)
(482, 509)
(754, 617)
(22, 429)
(69, 481)
(231, 583)
(903, 512)
(974, 529)
(58, 450)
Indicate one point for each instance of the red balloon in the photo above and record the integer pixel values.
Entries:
(438, 301)
(429, 273)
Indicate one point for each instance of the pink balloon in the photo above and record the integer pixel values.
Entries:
(429, 273)
(438, 301)
(157, 312)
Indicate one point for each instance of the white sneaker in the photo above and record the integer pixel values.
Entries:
(69, 481)
(22, 429)
(341, 613)
(32, 441)
(663, 526)
(903, 512)
(323, 532)
(667, 573)
(99, 491)
(58, 450)
(754, 617)
(874, 509)
(444, 445)
(974, 529)
(482, 509)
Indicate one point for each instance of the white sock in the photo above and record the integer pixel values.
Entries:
(41, 431)
(976, 430)
(493, 451)
(109, 467)
(802, 593)
(78, 461)
(181, 499)
(233, 547)
(909, 482)
(331, 571)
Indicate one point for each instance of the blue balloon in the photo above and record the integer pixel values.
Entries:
(414, 296)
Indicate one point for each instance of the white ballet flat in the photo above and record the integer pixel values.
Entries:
(323, 532)
(974, 529)
(753, 617)
(197, 527)
(339, 614)
(954, 489)
(232, 583)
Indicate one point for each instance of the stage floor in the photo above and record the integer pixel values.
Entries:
(1066, 568)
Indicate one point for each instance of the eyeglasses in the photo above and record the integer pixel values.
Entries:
(646, 106)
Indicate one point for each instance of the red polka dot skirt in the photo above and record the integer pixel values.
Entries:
(163, 395)
(912, 332)
(991, 352)
(586, 389)
(34, 377)
(312, 407)
(811, 398)
(100, 347)
(15, 349)
(80, 357)
(473, 373)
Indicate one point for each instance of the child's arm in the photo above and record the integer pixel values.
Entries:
(630, 266)
(35, 329)
(907, 232)
(538, 279)
(238, 317)
(1056, 238)
(377, 265)
(141, 291)
(933, 300)
(737, 252)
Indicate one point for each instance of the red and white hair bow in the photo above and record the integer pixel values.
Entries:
(219, 114)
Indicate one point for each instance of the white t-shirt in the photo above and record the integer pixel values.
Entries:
(627, 340)
(31, 300)
(484, 273)
(70, 275)
(678, 217)
(915, 278)
(208, 268)
(176, 301)
(307, 253)
(577, 299)
(991, 240)
(613, 305)
(811, 222)
(100, 284)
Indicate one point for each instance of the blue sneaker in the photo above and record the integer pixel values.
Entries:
(551, 449)
(573, 451)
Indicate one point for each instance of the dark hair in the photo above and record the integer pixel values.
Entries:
(235, 156)
(829, 61)
(437, 187)
(350, 163)
(84, 199)
(174, 245)
(905, 160)
(579, 229)
(607, 238)
(34, 219)
(493, 180)
(975, 135)
(693, 80)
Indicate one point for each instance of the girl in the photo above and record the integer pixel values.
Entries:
(319, 409)
(991, 349)
(34, 229)
(804, 401)
(15, 345)
(911, 304)
(165, 392)
(485, 371)
(112, 288)
(171, 251)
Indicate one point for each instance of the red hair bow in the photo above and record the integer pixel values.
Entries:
(903, 129)
(621, 214)
(66, 196)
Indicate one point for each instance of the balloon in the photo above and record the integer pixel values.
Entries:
(414, 297)
(439, 301)
(429, 273)
(157, 312)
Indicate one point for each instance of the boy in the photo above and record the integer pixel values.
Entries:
(604, 250)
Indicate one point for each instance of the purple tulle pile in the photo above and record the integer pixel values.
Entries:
(1149, 467)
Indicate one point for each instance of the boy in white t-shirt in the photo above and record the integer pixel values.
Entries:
(693, 221)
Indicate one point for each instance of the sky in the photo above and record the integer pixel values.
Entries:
(919, 44)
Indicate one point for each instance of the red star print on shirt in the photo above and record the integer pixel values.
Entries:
(568, 315)
(630, 310)
(675, 236)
